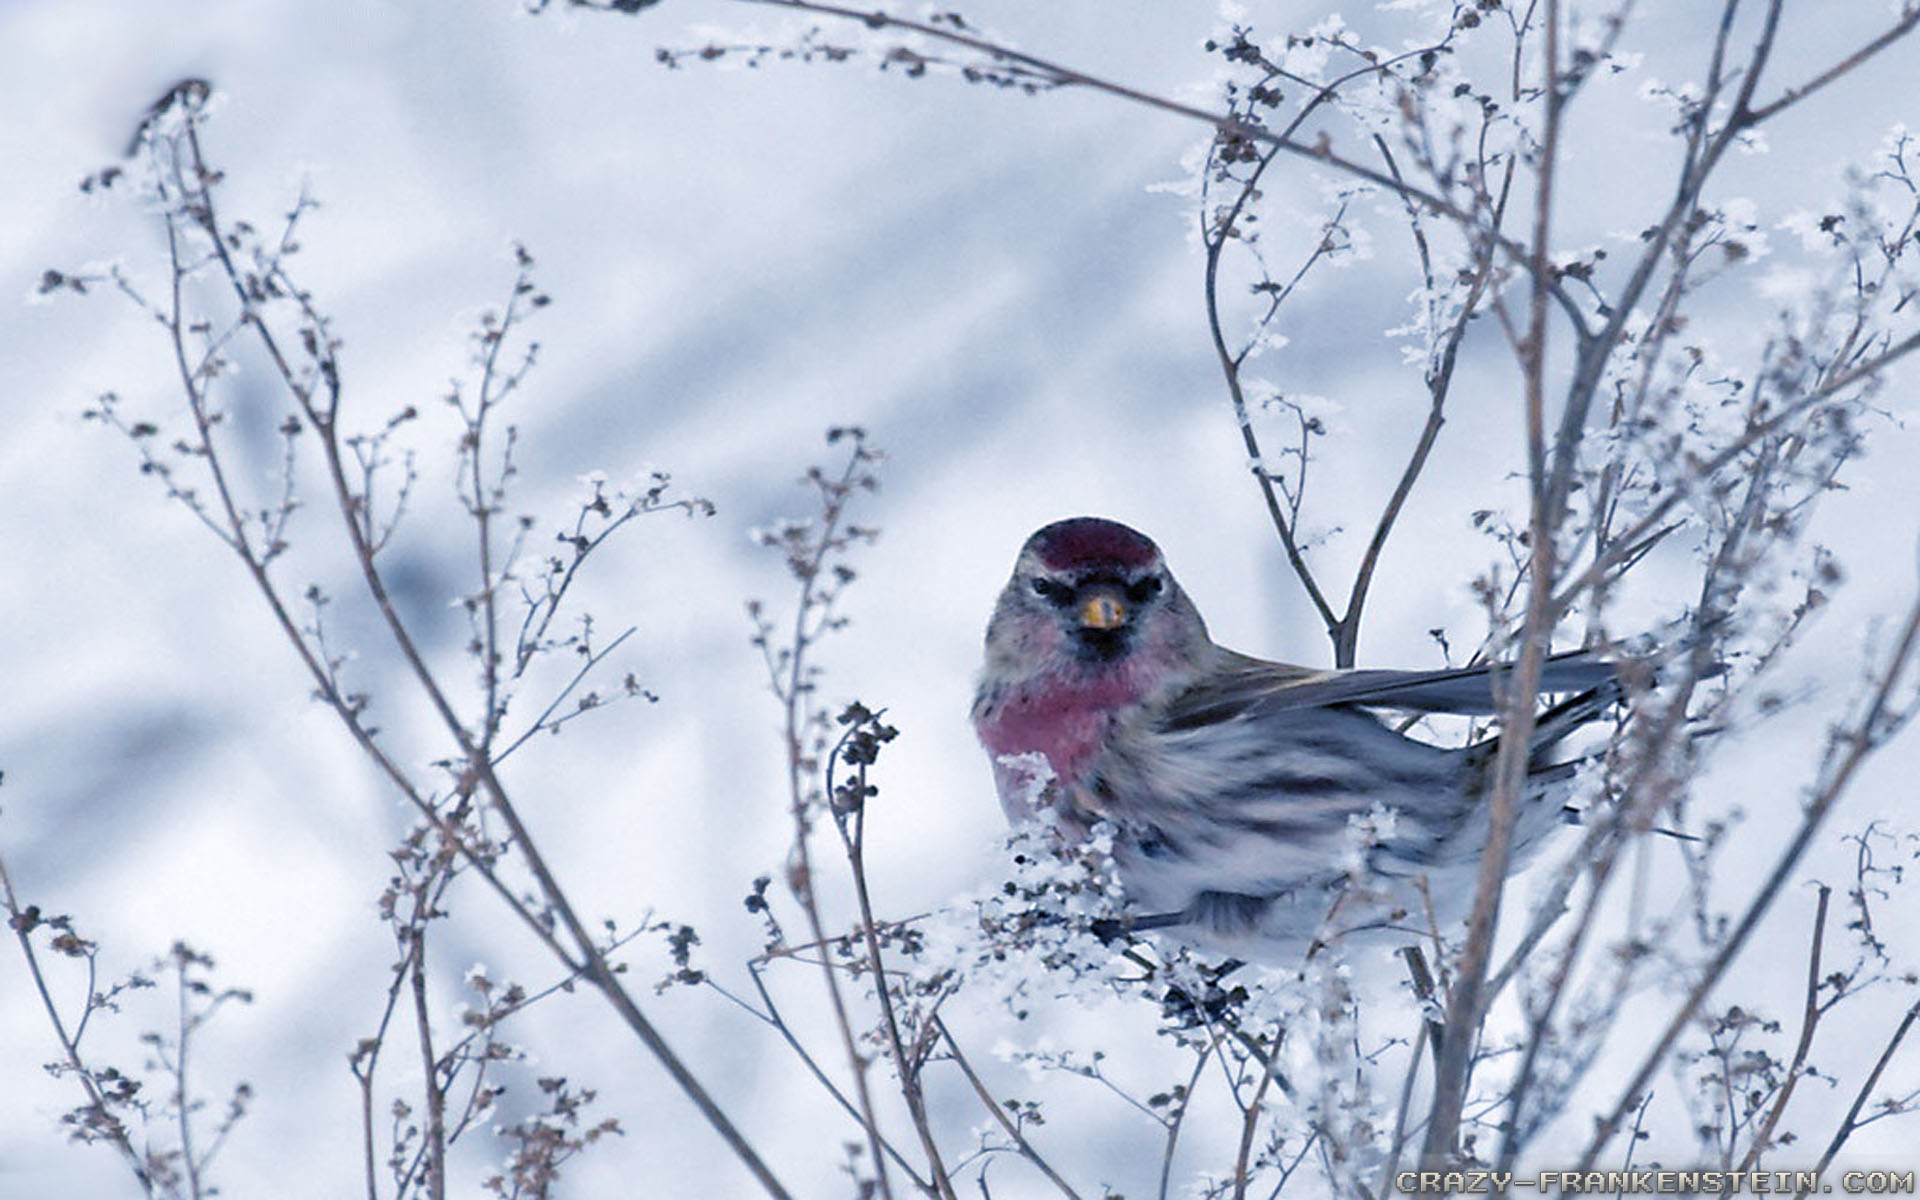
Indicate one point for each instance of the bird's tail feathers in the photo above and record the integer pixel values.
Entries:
(1556, 724)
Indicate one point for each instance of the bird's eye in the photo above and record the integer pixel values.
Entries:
(1144, 590)
(1052, 590)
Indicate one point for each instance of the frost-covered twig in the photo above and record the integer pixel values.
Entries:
(1883, 713)
(812, 549)
(173, 1165)
(281, 322)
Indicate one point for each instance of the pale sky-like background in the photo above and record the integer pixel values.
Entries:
(992, 284)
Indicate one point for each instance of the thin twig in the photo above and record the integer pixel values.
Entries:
(1852, 1121)
(852, 834)
(1177, 1119)
(774, 1018)
(22, 922)
(318, 398)
(1467, 1001)
(1854, 746)
(792, 684)
(1250, 1119)
(1810, 1013)
(999, 1113)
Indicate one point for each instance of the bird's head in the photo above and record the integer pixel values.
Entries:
(1091, 591)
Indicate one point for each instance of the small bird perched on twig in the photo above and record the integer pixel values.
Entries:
(1260, 808)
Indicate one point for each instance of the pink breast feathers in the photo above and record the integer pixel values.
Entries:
(1066, 720)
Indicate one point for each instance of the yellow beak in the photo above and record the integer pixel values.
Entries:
(1103, 611)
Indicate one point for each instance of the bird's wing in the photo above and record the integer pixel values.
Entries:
(1248, 684)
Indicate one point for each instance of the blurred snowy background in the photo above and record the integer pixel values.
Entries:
(991, 284)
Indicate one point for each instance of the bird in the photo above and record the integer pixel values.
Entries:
(1260, 810)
